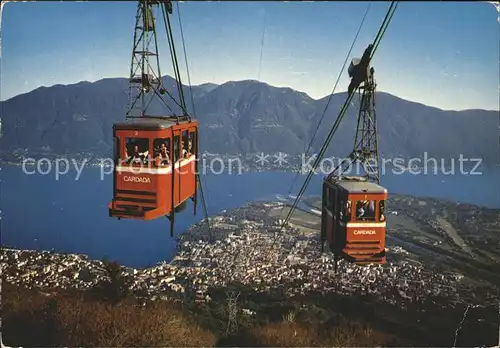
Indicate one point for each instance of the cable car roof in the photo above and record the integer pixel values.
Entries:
(359, 185)
(149, 123)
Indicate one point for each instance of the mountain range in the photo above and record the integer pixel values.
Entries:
(241, 117)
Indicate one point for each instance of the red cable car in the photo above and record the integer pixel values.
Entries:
(155, 157)
(353, 219)
(155, 167)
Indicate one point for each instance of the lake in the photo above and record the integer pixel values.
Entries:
(68, 215)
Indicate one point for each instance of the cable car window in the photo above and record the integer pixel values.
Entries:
(191, 143)
(381, 210)
(123, 154)
(330, 196)
(161, 148)
(345, 210)
(177, 148)
(185, 141)
(116, 150)
(325, 197)
(137, 150)
(195, 142)
(365, 210)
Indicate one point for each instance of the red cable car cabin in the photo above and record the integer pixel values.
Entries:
(353, 220)
(146, 150)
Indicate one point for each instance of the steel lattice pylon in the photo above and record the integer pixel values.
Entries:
(145, 75)
(365, 150)
(366, 140)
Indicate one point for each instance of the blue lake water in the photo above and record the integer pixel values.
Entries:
(68, 215)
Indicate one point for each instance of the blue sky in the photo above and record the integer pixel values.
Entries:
(443, 54)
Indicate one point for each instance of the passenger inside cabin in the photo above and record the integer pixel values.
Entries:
(345, 211)
(137, 157)
(381, 209)
(382, 217)
(365, 209)
(360, 211)
(163, 158)
(185, 150)
(185, 153)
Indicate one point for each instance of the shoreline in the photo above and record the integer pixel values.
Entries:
(281, 200)
(241, 254)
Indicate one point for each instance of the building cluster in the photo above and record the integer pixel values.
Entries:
(244, 246)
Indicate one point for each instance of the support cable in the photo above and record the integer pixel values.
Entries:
(166, 22)
(333, 91)
(198, 178)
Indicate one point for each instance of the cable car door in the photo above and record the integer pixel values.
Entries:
(330, 218)
(335, 212)
(176, 190)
